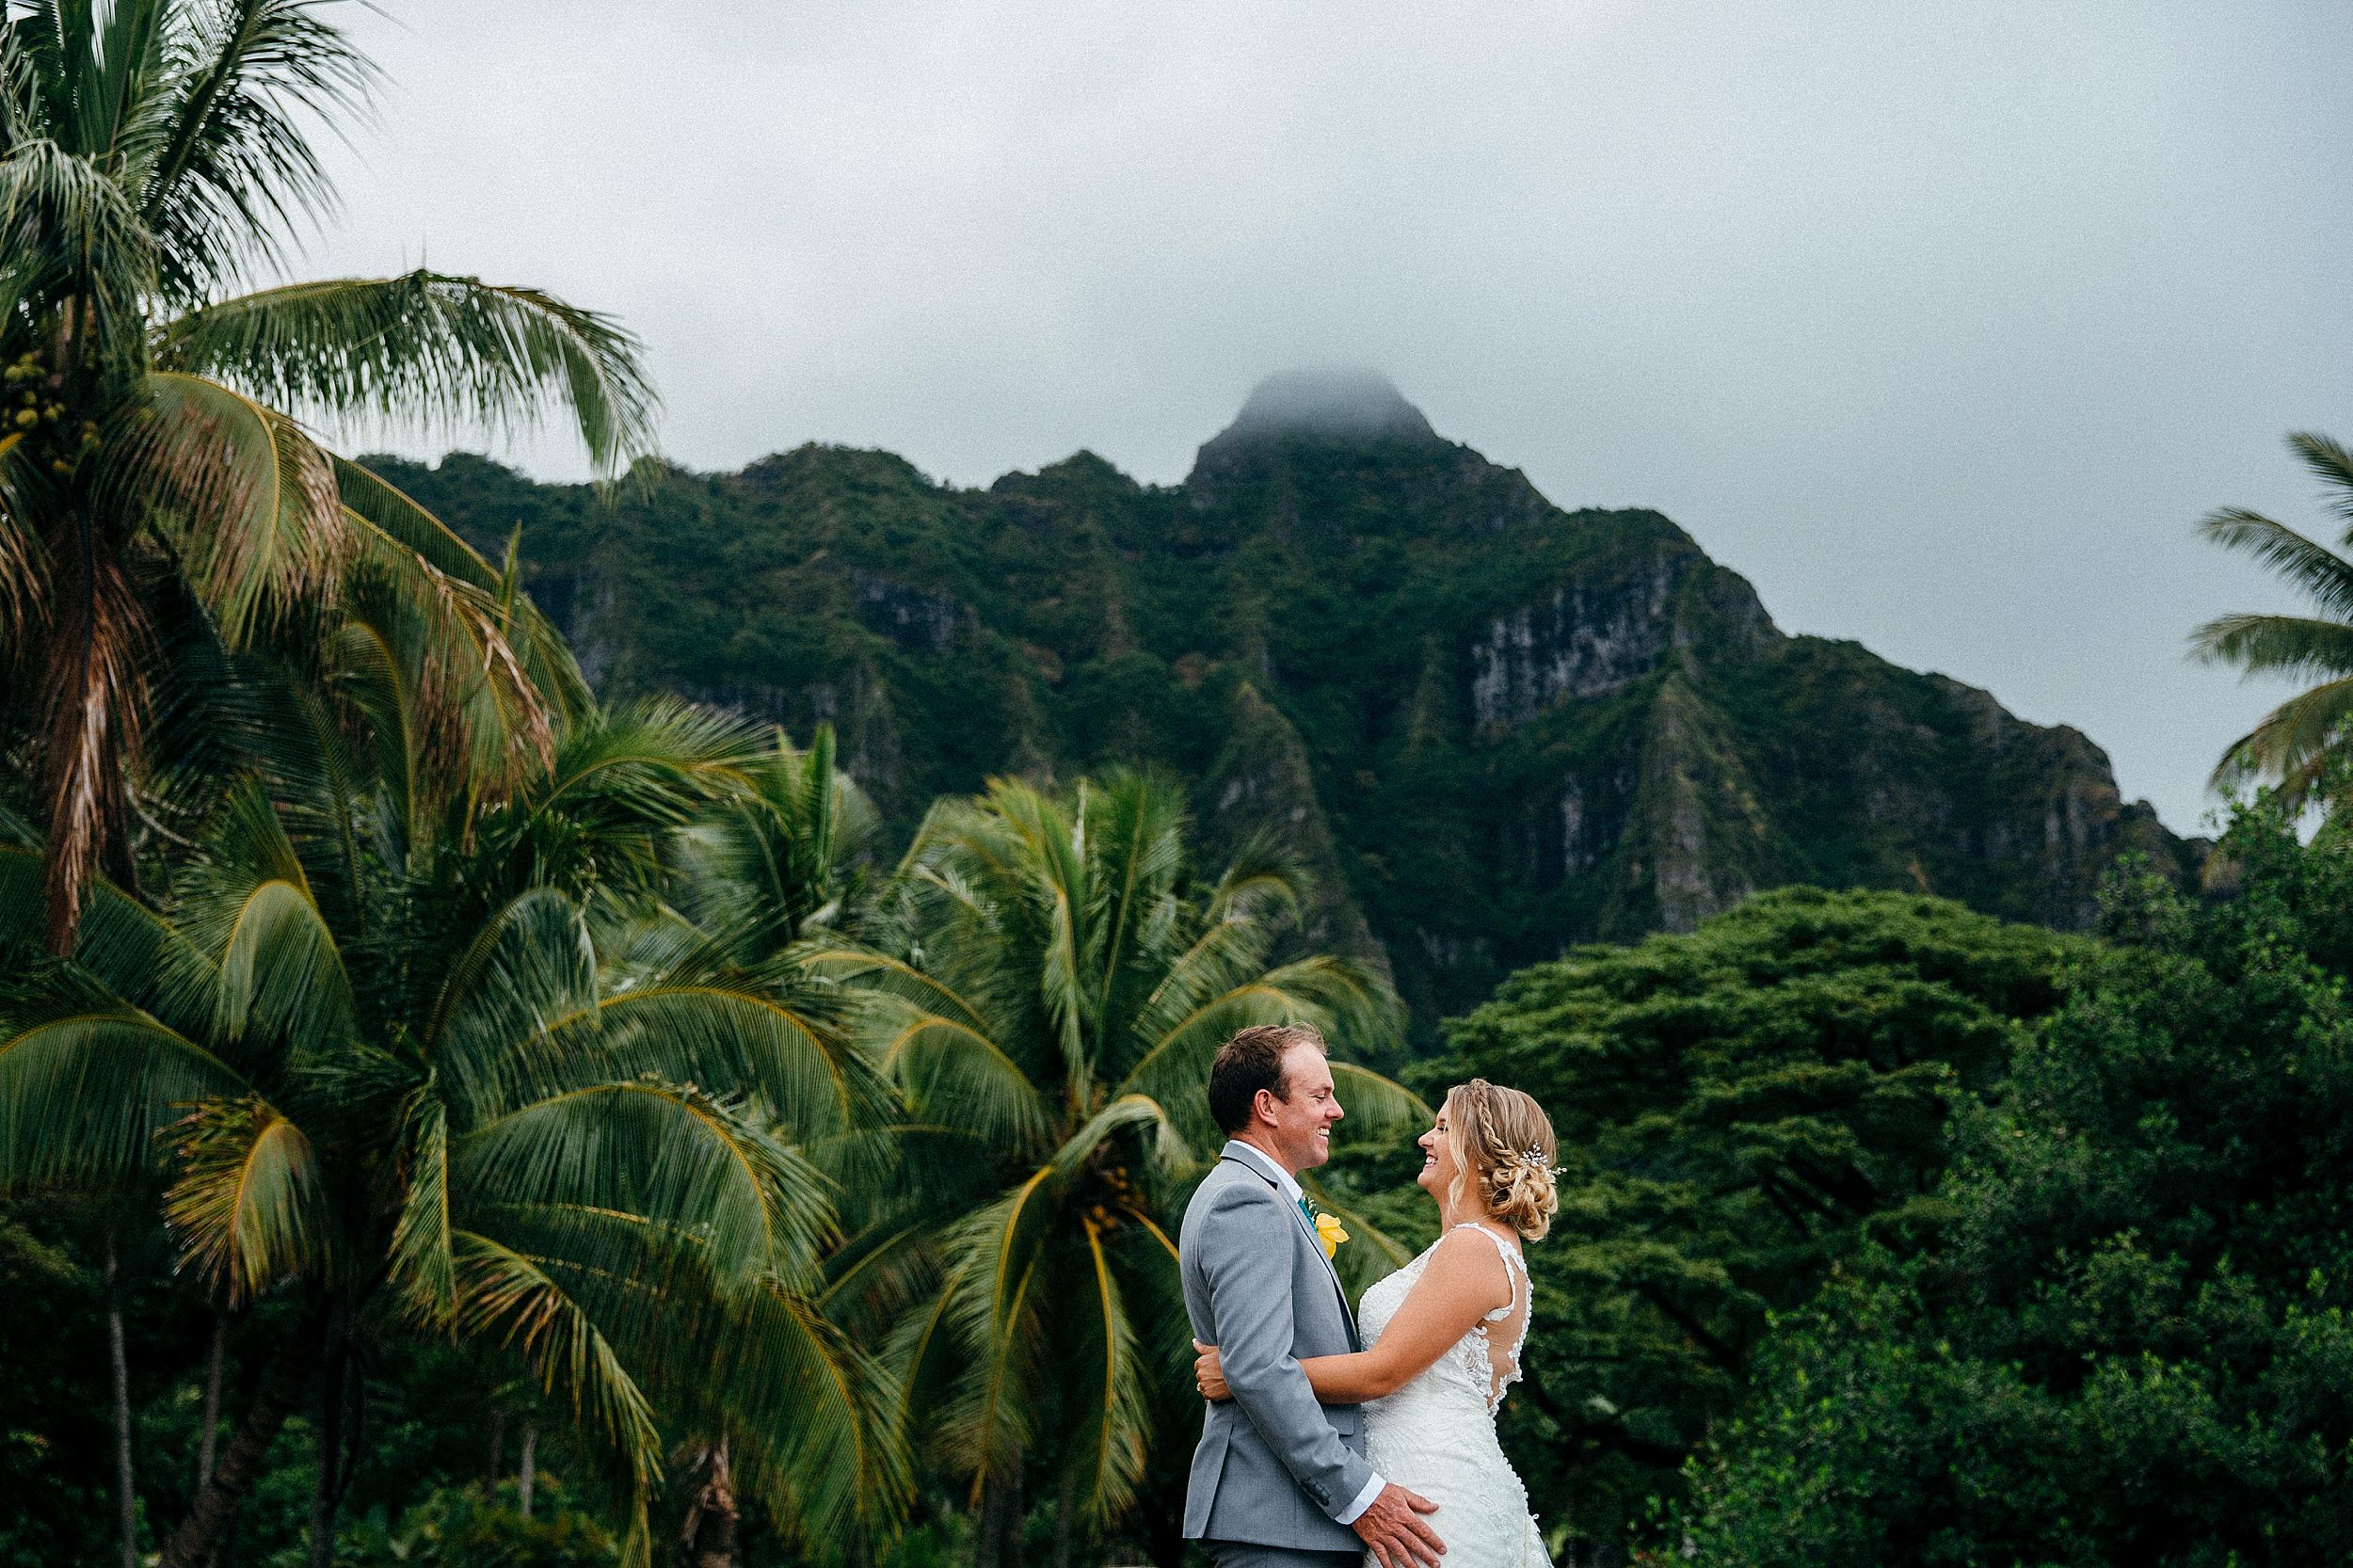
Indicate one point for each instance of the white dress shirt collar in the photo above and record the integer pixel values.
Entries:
(1264, 1163)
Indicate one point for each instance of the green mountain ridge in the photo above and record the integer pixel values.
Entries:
(1495, 727)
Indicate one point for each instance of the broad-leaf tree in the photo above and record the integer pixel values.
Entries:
(157, 164)
(1049, 1007)
(2134, 1341)
(1739, 1109)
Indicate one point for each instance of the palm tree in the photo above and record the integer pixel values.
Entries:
(472, 1091)
(156, 157)
(780, 859)
(2298, 742)
(1047, 1006)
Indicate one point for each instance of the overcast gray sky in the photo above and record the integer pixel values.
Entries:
(1942, 321)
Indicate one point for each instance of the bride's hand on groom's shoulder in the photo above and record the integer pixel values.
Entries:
(1209, 1373)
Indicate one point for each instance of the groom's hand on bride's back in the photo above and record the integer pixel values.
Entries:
(1395, 1531)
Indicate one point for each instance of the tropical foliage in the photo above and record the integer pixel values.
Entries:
(398, 1049)
(2134, 1342)
(1739, 1109)
(158, 495)
(2298, 742)
(471, 1092)
(1054, 978)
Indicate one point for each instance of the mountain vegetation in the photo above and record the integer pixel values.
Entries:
(1492, 727)
(2133, 1340)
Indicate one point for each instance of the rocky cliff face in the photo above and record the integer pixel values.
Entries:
(1494, 727)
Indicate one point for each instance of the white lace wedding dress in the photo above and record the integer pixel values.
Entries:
(1436, 1436)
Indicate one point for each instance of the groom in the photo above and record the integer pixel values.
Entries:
(1279, 1481)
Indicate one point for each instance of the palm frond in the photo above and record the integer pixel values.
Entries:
(2319, 571)
(988, 1422)
(504, 1293)
(850, 965)
(458, 712)
(231, 171)
(771, 864)
(1223, 954)
(670, 1152)
(2333, 465)
(248, 1201)
(2293, 743)
(450, 352)
(67, 231)
(813, 1411)
(250, 908)
(653, 762)
(957, 1076)
(141, 958)
(876, 1276)
(1103, 1454)
(526, 967)
(243, 496)
(1260, 886)
(424, 1264)
(539, 650)
(1382, 1107)
(86, 1085)
(2276, 645)
(1131, 1113)
(800, 1072)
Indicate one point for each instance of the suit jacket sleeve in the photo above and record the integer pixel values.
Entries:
(1245, 1253)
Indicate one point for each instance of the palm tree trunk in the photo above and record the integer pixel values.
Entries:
(997, 1540)
(208, 1441)
(1065, 1527)
(524, 1475)
(711, 1517)
(323, 1495)
(199, 1534)
(119, 1366)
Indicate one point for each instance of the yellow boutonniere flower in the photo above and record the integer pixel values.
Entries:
(1330, 1233)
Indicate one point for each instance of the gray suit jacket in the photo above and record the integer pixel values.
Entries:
(1273, 1465)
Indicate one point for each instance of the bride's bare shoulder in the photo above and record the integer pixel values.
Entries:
(1468, 1259)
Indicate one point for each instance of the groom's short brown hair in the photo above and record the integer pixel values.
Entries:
(1252, 1061)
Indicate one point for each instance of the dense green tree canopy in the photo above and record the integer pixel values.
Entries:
(1737, 1110)
(2134, 1342)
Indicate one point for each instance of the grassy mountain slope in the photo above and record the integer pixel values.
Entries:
(1495, 727)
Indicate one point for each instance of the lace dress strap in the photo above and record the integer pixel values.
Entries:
(1512, 1268)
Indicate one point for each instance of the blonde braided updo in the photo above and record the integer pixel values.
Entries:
(1503, 1140)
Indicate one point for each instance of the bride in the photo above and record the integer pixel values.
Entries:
(1443, 1334)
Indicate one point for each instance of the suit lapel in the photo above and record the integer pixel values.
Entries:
(1300, 1218)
